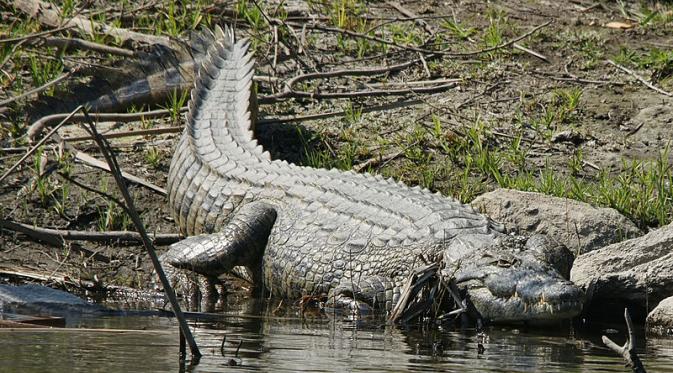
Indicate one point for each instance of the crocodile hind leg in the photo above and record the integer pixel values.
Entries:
(373, 292)
(239, 243)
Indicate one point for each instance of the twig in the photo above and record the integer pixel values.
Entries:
(66, 43)
(91, 161)
(366, 109)
(365, 93)
(131, 133)
(44, 278)
(289, 85)
(376, 161)
(628, 350)
(423, 50)
(37, 127)
(114, 167)
(408, 14)
(50, 15)
(52, 237)
(40, 143)
(531, 52)
(414, 284)
(11, 52)
(40, 88)
(57, 236)
(641, 79)
(35, 35)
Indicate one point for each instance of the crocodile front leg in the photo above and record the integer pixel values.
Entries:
(240, 243)
(378, 292)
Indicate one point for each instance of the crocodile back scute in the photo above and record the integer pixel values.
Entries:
(325, 218)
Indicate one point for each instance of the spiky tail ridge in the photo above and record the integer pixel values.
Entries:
(218, 137)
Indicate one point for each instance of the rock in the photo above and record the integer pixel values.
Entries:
(631, 273)
(654, 125)
(41, 299)
(660, 320)
(578, 225)
(571, 136)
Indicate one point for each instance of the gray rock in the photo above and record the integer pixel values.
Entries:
(660, 320)
(635, 272)
(41, 299)
(578, 225)
(654, 126)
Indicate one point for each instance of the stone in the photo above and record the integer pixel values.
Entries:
(660, 320)
(578, 225)
(632, 273)
(654, 124)
(41, 299)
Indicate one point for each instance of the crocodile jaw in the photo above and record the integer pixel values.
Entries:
(516, 279)
(550, 300)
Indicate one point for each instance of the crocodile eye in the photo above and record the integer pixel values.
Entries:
(504, 263)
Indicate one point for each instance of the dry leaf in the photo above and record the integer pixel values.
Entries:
(619, 25)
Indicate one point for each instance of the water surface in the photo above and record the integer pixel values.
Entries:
(275, 339)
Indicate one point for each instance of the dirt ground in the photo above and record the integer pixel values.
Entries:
(550, 98)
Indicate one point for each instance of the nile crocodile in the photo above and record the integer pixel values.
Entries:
(300, 230)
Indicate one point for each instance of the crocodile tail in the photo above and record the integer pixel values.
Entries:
(220, 115)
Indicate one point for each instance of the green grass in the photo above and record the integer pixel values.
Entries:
(458, 30)
(659, 62)
(468, 165)
(175, 103)
(461, 164)
(153, 157)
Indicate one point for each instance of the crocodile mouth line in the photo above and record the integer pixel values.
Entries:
(510, 308)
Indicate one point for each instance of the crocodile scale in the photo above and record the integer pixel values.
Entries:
(298, 230)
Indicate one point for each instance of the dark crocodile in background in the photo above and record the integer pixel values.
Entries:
(302, 231)
(151, 78)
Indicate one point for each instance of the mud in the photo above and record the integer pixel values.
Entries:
(507, 90)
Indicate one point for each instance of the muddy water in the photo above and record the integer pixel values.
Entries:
(283, 343)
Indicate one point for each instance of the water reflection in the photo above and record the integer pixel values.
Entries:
(274, 339)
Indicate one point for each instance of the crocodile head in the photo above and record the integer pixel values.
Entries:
(515, 279)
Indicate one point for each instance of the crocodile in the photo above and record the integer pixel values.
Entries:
(150, 77)
(300, 231)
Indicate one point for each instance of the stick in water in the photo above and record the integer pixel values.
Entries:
(116, 172)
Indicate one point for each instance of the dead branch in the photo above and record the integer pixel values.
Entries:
(408, 14)
(40, 143)
(377, 161)
(57, 236)
(639, 78)
(531, 52)
(40, 88)
(50, 15)
(37, 276)
(291, 91)
(83, 157)
(39, 125)
(423, 50)
(34, 35)
(91, 161)
(68, 43)
(131, 133)
(366, 93)
(116, 172)
(628, 350)
(405, 309)
(36, 128)
(572, 78)
(365, 109)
